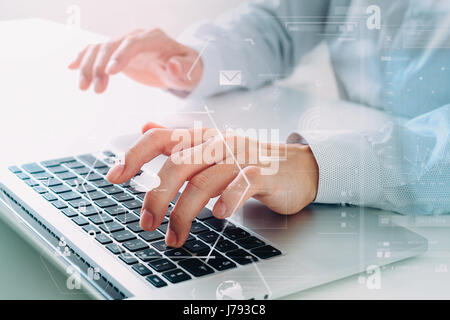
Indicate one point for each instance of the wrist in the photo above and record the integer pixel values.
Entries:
(308, 168)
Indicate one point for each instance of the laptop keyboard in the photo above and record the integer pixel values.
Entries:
(77, 187)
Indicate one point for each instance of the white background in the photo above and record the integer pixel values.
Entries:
(114, 18)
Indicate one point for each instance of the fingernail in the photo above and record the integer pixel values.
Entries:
(97, 83)
(171, 238)
(146, 220)
(115, 172)
(83, 82)
(111, 66)
(221, 209)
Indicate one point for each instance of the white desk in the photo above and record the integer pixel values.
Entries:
(44, 115)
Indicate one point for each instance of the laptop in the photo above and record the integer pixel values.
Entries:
(90, 228)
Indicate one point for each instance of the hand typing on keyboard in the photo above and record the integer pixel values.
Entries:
(284, 177)
(149, 57)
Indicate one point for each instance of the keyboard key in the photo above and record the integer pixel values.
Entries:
(32, 168)
(176, 275)
(135, 227)
(123, 235)
(218, 224)
(198, 227)
(79, 203)
(112, 190)
(60, 189)
(250, 242)
(156, 281)
(66, 175)
(99, 165)
(132, 190)
(127, 218)
(58, 204)
(57, 169)
(177, 254)
(40, 189)
(88, 158)
(161, 265)
(104, 203)
(163, 227)
(50, 163)
(69, 212)
(115, 248)
(204, 214)
(160, 245)
(93, 177)
(133, 204)
(74, 165)
(126, 184)
(111, 227)
(103, 238)
(265, 252)
(196, 246)
(235, 233)
(148, 255)
(241, 256)
(51, 182)
(135, 245)
(22, 176)
(141, 196)
(218, 261)
(114, 211)
(75, 182)
(141, 269)
(151, 235)
(102, 183)
(121, 197)
(89, 210)
(91, 229)
(100, 218)
(109, 153)
(58, 161)
(209, 236)
(49, 196)
(80, 221)
(190, 238)
(42, 176)
(14, 169)
(82, 171)
(95, 195)
(31, 182)
(103, 171)
(85, 187)
(225, 245)
(71, 195)
(196, 267)
(127, 258)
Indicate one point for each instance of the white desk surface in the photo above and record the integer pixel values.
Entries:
(44, 115)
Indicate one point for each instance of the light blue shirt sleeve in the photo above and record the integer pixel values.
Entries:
(403, 167)
(253, 40)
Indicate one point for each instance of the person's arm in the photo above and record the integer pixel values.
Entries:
(401, 167)
(255, 40)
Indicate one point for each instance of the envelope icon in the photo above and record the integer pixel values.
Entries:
(230, 77)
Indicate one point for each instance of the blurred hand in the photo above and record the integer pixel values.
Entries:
(149, 57)
(206, 165)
